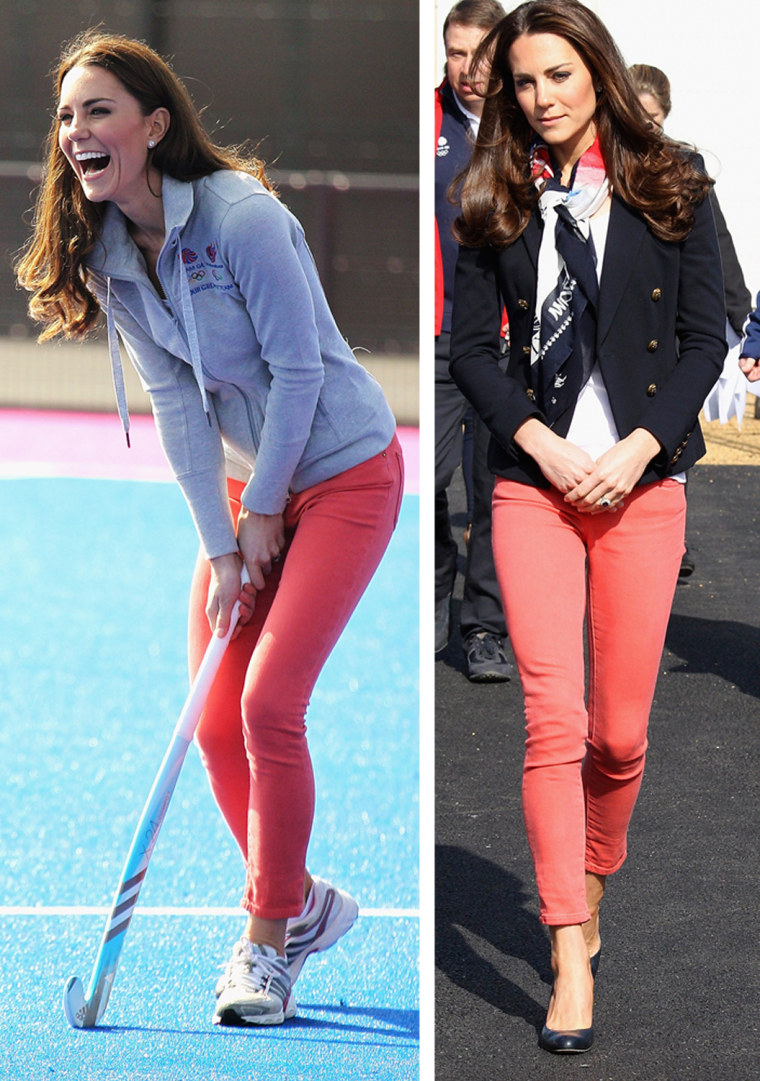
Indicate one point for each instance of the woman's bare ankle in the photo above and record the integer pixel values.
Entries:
(595, 886)
(572, 1003)
(308, 882)
(267, 933)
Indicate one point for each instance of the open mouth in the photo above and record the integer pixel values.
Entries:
(92, 162)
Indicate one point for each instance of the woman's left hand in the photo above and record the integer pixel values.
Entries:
(615, 475)
(261, 539)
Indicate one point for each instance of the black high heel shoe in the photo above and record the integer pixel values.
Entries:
(572, 1041)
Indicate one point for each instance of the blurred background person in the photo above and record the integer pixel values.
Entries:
(458, 109)
(749, 361)
(653, 88)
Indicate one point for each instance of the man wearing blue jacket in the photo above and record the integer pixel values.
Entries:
(458, 109)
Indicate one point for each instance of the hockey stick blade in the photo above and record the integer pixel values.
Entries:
(85, 1010)
(74, 1002)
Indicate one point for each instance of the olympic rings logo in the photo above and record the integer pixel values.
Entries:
(198, 275)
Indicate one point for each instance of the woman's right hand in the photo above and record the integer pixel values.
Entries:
(224, 589)
(562, 463)
(261, 539)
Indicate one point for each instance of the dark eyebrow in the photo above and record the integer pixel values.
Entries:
(89, 102)
(549, 71)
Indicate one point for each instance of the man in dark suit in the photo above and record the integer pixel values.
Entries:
(458, 109)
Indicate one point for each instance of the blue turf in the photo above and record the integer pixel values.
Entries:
(357, 1014)
(93, 590)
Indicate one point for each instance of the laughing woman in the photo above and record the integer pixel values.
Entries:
(283, 445)
(597, 234)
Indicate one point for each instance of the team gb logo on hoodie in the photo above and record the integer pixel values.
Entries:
(205, 271)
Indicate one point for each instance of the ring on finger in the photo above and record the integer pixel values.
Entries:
(605, 502)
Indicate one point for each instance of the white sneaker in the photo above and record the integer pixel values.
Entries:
(328, 914)
(255, 989)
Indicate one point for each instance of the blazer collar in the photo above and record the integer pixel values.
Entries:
(531, 237)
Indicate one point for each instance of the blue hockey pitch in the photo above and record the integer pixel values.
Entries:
(93, 591)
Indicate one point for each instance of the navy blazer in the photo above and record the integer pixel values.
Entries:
(660, 337)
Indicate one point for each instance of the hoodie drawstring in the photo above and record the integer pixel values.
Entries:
(117, 371)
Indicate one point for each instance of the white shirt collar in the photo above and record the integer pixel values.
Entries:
(473, 119)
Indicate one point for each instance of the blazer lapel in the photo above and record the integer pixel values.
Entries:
(624, 237)
(531, 237)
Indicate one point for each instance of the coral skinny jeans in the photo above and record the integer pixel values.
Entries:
(252, 735)
(584, 759)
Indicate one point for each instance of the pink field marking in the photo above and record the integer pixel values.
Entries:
(92, 445)
(410, 444)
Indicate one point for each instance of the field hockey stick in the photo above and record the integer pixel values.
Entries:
(84, 1011)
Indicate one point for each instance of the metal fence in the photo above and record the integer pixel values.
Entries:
(326, 91)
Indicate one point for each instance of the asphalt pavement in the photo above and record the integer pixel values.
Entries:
(678, 991)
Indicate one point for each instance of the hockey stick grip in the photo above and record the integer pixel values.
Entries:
(204, 677)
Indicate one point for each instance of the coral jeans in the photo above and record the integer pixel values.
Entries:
(252, 735)
(584, 756)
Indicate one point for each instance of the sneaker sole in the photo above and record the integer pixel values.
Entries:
(489, 676)
(339, 926)
(236, 1017)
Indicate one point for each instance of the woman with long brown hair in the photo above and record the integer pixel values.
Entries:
(283, 445)
(595, 232)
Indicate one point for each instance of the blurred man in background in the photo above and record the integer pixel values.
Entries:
(458, 110)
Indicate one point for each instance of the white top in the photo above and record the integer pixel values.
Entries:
(593, 425)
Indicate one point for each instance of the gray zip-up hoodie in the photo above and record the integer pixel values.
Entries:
(243, 361)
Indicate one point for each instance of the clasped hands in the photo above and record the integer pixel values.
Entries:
(592, 487)
(261, 539)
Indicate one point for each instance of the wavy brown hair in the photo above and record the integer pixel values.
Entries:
(66, 225)
(661, 179)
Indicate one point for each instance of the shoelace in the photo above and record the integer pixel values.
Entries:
(489, 646)
(251, 970)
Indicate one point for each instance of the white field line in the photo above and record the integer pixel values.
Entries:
(148, 910)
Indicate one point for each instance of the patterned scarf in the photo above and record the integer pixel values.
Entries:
(564, 336)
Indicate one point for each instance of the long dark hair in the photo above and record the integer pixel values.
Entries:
(66, 223)
(656, 176)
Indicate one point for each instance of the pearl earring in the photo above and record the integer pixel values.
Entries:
(151, 144)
